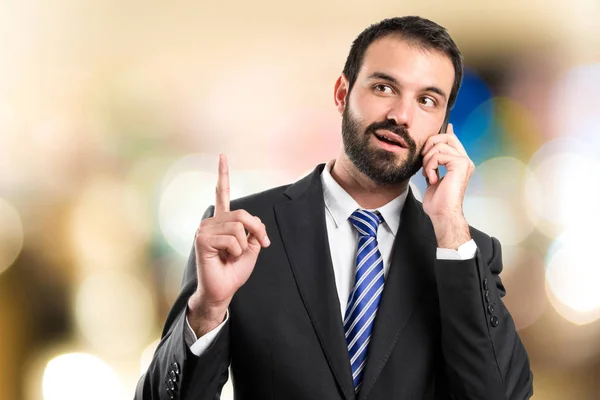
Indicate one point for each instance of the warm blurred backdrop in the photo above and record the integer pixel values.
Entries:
(112, 114)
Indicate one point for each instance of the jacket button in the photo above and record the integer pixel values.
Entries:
(170, 394)
(170, 384)
(173, 376)
(487, 296)
(175, 366)
(491, 308)
(485, 284)
(494, 321)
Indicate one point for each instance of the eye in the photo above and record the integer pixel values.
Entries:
(427, 101)
(381, 88)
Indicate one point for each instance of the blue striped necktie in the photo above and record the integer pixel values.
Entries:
(366, 293)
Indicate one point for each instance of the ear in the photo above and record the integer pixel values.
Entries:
(340, 93)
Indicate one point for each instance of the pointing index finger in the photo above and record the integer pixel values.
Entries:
(222, 192)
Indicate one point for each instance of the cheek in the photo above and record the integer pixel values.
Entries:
(368, 108)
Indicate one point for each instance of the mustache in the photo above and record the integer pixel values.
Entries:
(391, 126)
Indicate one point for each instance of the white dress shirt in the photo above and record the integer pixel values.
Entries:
(339, 205)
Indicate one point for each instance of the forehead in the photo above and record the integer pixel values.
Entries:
(407, 62)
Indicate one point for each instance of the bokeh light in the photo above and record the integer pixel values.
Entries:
(572, 276)
(567, 177)
(114, 311)
(77, 376)
(495, 201)
(578, 117)
(11, 235)
(247, 181)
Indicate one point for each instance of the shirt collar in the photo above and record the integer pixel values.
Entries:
(341, 205)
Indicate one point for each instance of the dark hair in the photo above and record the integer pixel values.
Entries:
(419, 31)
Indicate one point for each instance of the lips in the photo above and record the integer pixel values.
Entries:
(391, 138)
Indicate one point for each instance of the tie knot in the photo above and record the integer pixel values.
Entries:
(366, 222)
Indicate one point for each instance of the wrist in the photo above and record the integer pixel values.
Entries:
(451, 232)
(204, 318)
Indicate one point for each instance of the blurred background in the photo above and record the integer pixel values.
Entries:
(112, 114)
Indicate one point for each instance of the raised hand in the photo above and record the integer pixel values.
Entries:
(443, 198)
(225, 256)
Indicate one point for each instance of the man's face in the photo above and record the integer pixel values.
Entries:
(399, 100)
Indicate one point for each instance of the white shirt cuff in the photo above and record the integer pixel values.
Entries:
(200, 345)
(465, 252)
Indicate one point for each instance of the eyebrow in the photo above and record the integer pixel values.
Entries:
(391, 79)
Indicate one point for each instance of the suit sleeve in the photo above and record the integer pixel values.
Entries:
(485, 358)
(176, 373)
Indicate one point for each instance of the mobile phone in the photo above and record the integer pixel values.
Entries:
(444, 127)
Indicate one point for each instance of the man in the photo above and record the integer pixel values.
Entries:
(343, 285)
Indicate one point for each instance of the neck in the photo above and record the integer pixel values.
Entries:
(361, 188)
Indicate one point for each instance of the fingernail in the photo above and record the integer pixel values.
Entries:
(267, 241)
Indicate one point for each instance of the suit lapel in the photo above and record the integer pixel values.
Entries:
(411, 267)
(303, 230)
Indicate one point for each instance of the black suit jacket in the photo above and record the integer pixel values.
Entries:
(441, 332)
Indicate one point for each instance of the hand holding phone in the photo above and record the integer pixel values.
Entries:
(443, 129)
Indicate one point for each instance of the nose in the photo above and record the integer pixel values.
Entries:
(401, 112)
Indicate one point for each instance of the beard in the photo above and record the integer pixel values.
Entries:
(379, 165)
